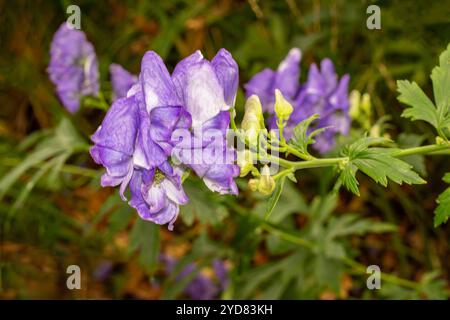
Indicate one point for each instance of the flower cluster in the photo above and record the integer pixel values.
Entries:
(162, 125)
(323, 93)
(73, 67)
(136, 140)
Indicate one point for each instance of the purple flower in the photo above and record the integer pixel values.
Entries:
(133, 144)
(121, 80)
(285, 79)
(323, 93)
(208, 90)
(326, 95)
(201, 287)
(73, 67)
(135, 140)
(156, 195)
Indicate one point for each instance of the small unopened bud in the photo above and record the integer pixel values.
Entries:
(283, 108)
(355, 102)
(245, 162)
(266, 182)
(253, 106)
(253, 184)
(366, 105)
(253, 120)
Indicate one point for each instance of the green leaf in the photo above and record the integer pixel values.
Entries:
(274, 197)
(301, 139)
(440, 77)
(442, 212)
(353, 224)
(348, 179)
(421, 106)
(381, 166)
(377, 163)
(145, 238)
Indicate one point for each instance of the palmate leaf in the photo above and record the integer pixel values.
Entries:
(377, 163)
(442, 212)
(348, 178)
(421, 107)
(301, 138)
(440, 76)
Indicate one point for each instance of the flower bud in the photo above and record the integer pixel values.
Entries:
(355, 102)
(253, 106)
(266, 182)
(253, 120)
(245, 162)
(253, 184)
(366, 105)
(283, 108)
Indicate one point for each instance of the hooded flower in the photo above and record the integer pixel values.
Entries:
(121, 80)
(207, 90)
(133, 143)
(136, 137)
(323, 93)
(73, 67)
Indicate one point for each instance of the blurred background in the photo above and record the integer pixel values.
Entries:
(54, 213)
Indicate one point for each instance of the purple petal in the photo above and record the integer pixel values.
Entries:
(329, 75)
(261, 84)
(157, 85)
(203, 93)
(121, 80)
(180, 73)
(227, 72)
(288, 73)
(119, 127)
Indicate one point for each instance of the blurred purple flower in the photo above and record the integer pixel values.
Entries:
(201, 287)
(323, 93)
(103, 271)
(73, 67)
(285, 79)
(121, 80)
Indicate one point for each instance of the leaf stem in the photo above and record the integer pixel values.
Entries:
(421, 150)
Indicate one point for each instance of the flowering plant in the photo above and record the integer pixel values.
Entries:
(166, 136)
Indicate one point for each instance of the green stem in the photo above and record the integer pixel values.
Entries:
(232, 122)
(327, 162)
(357, 267)
(421, 150)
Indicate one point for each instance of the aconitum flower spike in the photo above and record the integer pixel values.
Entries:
(73, 67)
(323, 94)
(136, 139)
